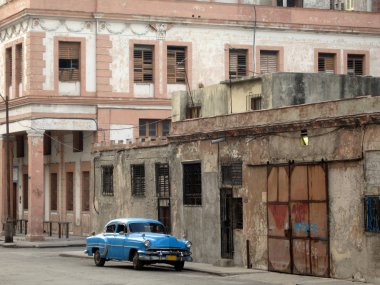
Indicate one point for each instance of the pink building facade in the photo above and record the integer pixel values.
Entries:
(84, 75)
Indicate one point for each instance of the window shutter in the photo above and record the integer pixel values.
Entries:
(19, 61)
(69, 61)
(143, 64)
(176, 64)
(355, 64)
(9, 67)
(238, 63)
(268, 61)
(326, 63)
(69, 50)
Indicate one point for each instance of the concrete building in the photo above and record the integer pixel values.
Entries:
(291, 189)
(81, 75)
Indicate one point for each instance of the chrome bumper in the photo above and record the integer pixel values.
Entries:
(163, 256)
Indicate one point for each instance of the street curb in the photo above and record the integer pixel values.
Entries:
(51, 245)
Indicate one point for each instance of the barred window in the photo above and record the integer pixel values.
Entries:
(355, 64)
(138, 179)
(143, 64)
(162, 180)
(232, 173)
(238, 63)
(176, 64)
(69, 61)
(256, 103)
(107, 179)
(193, 112)
(192, 184)
(372, 213)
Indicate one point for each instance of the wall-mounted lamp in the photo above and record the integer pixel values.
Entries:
(304, 137)
(219, 140)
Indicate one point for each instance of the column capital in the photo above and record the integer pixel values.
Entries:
(35, 133)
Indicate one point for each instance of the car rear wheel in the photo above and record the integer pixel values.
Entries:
(99, 261)
(178, 266)
(137, 263)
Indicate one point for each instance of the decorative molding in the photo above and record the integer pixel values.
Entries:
(160, 29)
(17, 29)
(112, 29)
(69, 26)
(135, 29)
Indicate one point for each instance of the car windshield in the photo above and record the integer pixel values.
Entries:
(146, 227)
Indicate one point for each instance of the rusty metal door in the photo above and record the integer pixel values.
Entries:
(297, 196)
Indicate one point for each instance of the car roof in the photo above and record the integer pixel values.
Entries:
(133, 220)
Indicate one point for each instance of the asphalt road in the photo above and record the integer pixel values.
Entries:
(45, 266)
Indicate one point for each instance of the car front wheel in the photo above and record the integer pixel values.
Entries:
(137, 263)
(99, 261)
(178, 266)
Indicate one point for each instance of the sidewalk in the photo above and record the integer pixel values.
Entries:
(271, 278)
(19, 241)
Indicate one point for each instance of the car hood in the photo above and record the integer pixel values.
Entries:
(159, 240)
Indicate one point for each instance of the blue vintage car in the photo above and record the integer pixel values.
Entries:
(141, 241)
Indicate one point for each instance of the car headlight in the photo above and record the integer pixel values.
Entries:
(188, 244)
(147, 243)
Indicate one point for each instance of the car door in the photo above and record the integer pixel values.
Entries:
(109, 236)
(118, 242)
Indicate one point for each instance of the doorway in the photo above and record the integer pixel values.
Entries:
(226, 221)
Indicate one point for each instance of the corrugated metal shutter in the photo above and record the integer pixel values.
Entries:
(268, 61)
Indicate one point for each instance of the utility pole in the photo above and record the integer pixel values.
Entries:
(9, 221)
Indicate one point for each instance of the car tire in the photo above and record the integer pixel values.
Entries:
(137, 263)
(178, 266)
(98, 259)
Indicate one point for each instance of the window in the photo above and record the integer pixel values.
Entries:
(20, 143)
(19, 65)
(268, 61)
(290, 3)
(192, 184)
(85, 191)
(355, 64)
(326, 63)
(255, 103)
(53, 191)
(232, 173)
(238, 63)
(8, 68)
(237, 208)
(107, 175)
(153, 127)
(69, 61)
(372, 213)
(176, 64)
(193, 112)
(77, 141)
(143, 64)
(162, 180)
(165, 127)
(69, 191)
(110, 228)
(47, 143)
(25, 194)
(138, 180)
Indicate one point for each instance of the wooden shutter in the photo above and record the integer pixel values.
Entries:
(176, 64)
(69, 53)
(143, 64)
(326, 63)
(268, 61)
(9, 67)
(19, 63)
(238, 63)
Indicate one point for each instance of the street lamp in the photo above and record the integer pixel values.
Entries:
(9, 222)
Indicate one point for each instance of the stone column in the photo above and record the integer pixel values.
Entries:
(36, 186)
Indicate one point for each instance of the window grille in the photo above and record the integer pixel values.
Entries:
(162, 180)
(238, 63)
(192, 184)
(326, 63)
(107, 175)
(268, 61)
(256, 103)
(176, 64)
(69, 191)
(85, 191)
(232, 174)
(372, 213)
(53, 191)
(355, 64)
(69, 61)
(193, 112)
(143, 64)
(138, 180)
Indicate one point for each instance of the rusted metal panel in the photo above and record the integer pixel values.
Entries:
(272, 185)
(317, 183)
(283, 184)
(278, 220)
(298, 184)
(319, 258)
(301, 256)
(300, 219)
(318, 220)
(279, 255)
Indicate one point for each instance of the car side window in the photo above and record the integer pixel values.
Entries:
(121, 228)
(110, 228)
